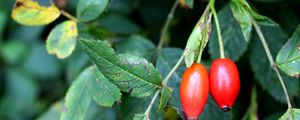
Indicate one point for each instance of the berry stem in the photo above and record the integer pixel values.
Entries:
(212, 7)
(271, 60)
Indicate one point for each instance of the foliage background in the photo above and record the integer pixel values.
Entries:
(34, 83)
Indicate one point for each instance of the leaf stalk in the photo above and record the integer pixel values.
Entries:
(68, 15)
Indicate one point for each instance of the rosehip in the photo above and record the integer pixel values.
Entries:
(194, 90)
(224, 83)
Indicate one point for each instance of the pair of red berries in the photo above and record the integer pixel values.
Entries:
(223, 84)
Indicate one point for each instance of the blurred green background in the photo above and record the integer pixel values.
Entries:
(31, 80)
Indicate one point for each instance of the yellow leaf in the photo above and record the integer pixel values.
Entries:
(62, 39)
(29, 12)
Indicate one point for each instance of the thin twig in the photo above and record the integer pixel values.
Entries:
(147, 112)
(271, 60)
(165, 81)
(212, 7)
(68, 15)
(166, 26)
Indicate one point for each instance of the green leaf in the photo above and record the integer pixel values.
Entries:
(62, 39)
(13, 52)
(88, 10)
(41, 64)
(54, 112)
(119, 24)
(136, 45)
(102, 90)
(130, 73)
(78, 99)
(27, 34)
(234, 42)
(165, 62)
(213, 112)
(188, 3)
(263, 72)
(101, 113)
(85, 88)
(166, 94)
(21, 93)
(291, 114)
(262, 20)
(243, 17)
(29, 12)
(121, 7)
(140, 117)
(94, 112)
(288, 58)
(198, 39)
(21, 86)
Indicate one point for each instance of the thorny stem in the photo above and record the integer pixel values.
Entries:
(166, 26)
(212, 7)
(271, 60)
(68, 15)
(165, 81)
(147, 112)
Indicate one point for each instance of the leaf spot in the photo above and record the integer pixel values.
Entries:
(298, 48)
(202, 26)
(18, 4)
(118, 74)
(65, 107)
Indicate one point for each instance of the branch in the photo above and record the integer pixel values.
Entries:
(271, 60)
(166, 26)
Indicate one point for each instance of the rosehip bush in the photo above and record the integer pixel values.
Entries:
(149, 59)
